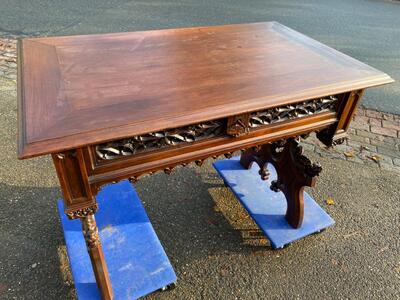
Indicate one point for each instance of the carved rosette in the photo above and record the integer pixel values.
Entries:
(90, 232)
(238, 125)
(82, 212)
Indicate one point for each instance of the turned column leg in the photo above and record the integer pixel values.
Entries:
(91, 234)
(294, 170)
(80, 203)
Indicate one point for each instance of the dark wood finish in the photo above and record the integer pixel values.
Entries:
(107, 171)
(91, 234)
(80, 202)
(115, 106)
(238, 125)
(294, 170)
(72, 173)
(336, 133)
(84, 90)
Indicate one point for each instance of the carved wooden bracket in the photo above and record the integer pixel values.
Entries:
(329, 139)
(295, 171)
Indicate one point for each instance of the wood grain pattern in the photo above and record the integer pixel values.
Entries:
(80, 90)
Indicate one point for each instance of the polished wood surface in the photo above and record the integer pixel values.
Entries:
(81, 90)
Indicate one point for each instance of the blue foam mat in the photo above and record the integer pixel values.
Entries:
(268, 208)
(136, 261)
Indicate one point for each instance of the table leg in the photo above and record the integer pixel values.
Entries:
(295, 171)
(80, 203)
(91, 234)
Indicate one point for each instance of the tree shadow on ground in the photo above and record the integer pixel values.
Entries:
(31, 241)
(192, 212)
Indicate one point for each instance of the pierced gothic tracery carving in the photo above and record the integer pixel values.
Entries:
(234, 126)
(160, 139)
(292, 111)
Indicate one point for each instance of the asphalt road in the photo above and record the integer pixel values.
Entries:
(206, 234)
(366, 30)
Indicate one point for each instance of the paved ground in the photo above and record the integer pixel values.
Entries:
(367, 30)
(373, 139)
(212, 244)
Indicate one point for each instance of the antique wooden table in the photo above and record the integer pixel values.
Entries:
(115, 106)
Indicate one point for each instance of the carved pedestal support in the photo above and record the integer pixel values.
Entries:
(295, 171)
(80, 203)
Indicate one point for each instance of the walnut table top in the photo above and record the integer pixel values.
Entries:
(81, 90)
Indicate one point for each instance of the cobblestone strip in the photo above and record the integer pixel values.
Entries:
(379, 135)
(374, 137)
